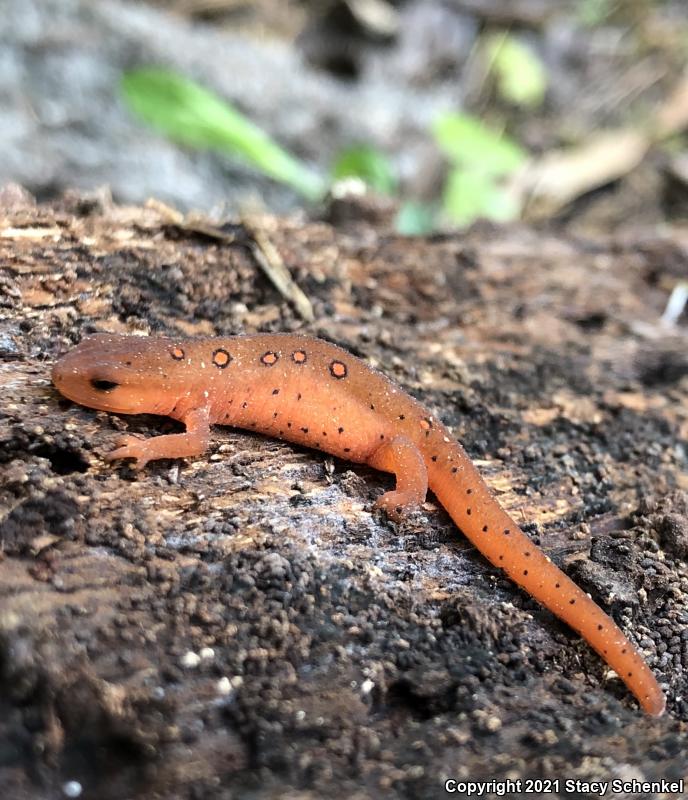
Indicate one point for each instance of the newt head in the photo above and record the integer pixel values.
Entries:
(123, 374)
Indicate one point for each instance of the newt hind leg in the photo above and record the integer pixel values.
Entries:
(401, 457)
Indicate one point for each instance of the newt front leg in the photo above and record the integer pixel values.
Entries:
(175, 445)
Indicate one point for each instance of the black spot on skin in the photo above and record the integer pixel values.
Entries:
(288, 424)
(347, 449)
(557, 585)
(299, 396)
(275, 415)
(221, 358)
(269, 359)
(468, 511)
(623, 652)
(324, 433)
(401, 416)
(275, 391)
(398, 509)
(305, 430)
(507, 532)
(382, 436)
(455, 469)
(244, 404)
(572, 602)
(630, 674)
(434, 458)
(103, 386)
(226, 416)
(340, 430)
(600, 627)
(525, 571)
(338, 370)
(469, 491)
(527, 554)
(484, 528)
(501, 558)
(280, 432)
(128, 363)
(372, 407)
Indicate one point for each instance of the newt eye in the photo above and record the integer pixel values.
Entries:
(103, 386)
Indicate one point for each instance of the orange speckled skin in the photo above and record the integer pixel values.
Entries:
(313, 393)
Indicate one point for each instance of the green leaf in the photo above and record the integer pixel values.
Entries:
(592, 13)
(415, 219)
(470, 195)
(368, 164)
(465, 140)
(521, 76)
(193, 116)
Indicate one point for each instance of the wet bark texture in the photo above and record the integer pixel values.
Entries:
(244, 624)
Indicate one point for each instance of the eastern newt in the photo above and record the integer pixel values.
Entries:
(316, 394)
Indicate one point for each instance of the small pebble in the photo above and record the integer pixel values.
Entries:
(190, 660)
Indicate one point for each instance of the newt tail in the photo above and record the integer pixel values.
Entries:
(505, 545)
(315, 394)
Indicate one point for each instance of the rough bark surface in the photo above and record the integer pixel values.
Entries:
(243, 624)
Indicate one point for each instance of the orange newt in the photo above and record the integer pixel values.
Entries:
(313, 393)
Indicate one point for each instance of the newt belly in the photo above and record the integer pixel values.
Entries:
(313, 393)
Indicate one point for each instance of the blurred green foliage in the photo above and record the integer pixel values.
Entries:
(470, 144)
(416, 218)
(592, 13)
(519, 74)
(480, 159)
(368, 164)
(193, 116)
